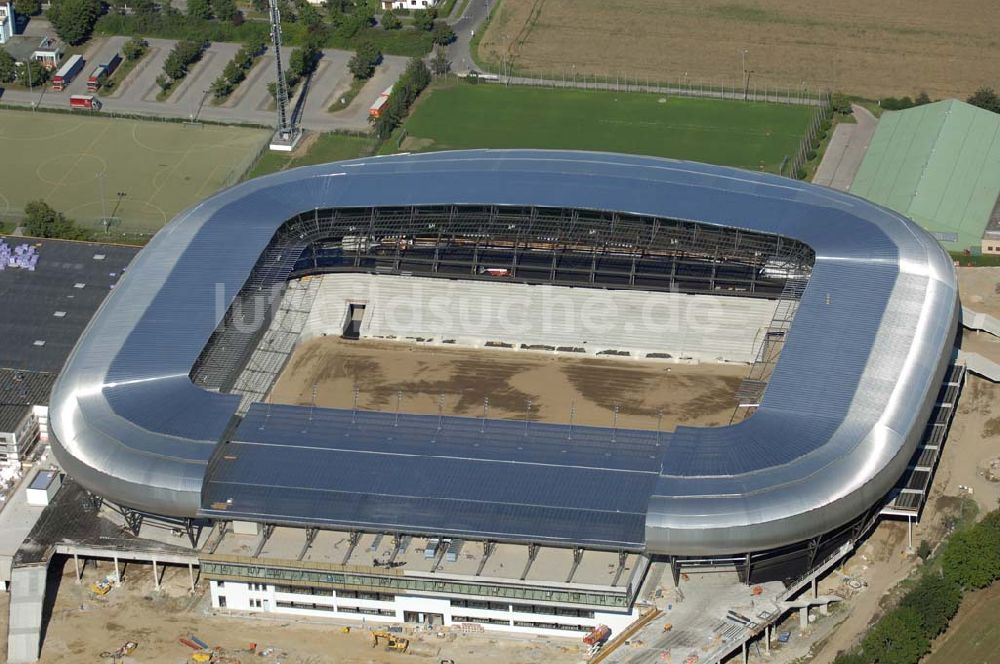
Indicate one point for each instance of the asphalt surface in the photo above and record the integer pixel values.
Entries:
(249, 104)
(845, 151)
(472, 19)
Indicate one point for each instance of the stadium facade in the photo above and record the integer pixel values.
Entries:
(145, 413)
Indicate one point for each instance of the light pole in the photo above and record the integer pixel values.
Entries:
(746, 75)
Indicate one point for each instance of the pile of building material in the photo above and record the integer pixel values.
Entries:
(22, 256)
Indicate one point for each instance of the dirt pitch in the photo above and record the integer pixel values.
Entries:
(874, 49)
(697, 395)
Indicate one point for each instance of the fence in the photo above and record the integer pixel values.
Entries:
(810, 141)
(746, 90)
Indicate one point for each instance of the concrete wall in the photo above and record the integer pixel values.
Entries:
(704, 328)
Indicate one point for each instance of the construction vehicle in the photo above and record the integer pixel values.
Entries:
(599, 634)
(104, 586)
(121, 652)
(392, 642)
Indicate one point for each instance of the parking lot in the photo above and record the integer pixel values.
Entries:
(250, 103)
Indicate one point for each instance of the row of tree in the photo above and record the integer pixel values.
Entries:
(971, 560)
(179, 60)
(236, 69)
(301, 64)
(415, 78)
(223, 10)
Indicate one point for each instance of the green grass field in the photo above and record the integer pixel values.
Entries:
(325, 148)
(161, 167)
(974, 634)
(462, 115)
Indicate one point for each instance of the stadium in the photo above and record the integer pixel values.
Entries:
(844, 312)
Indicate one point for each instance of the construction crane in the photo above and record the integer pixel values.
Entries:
(287, 133)
(392, 642)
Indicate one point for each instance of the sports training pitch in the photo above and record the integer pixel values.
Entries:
(462, 115)
(161, 167)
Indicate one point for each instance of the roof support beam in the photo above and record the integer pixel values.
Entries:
(310, 538)
(488, 549)
(353, 540)
(265, 534)
(577, 557)
(532, 554)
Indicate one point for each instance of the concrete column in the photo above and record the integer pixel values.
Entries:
(803, 618)
(824, 609)
(156, 577)
(118, 576)
(76, 564)
(815, 587)
(767, 640)
(191, 575)
(745, 653)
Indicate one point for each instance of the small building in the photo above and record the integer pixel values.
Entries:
(49, 52)
(8, 22)
(43, 487)
(408, 4)
(938, 164)
(24, 396)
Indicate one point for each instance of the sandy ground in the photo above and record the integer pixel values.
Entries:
(83, 626)
(868, 48)
(980, 288)
(460, 379)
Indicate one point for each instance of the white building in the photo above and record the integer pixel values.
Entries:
(444, 583)
(408, 4)
(7, 22)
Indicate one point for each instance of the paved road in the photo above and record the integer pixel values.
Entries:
(847, 148)
(249, 104)
(471, 20)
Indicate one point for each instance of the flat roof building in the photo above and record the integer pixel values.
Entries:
(938, 164)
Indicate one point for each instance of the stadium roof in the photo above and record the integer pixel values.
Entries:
(938, 164)
(836, 427)
(44, 311)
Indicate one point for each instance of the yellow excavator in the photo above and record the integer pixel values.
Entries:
(392, 642)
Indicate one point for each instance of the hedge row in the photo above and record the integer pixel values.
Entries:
(971, 560)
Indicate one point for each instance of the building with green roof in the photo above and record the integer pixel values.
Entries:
(938, 164)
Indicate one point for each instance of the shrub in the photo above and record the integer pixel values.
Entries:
(390, 21)
(898, 638)
(135, 48)
(935, 601)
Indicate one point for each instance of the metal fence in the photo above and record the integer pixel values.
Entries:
(810, 141)
(746, 90)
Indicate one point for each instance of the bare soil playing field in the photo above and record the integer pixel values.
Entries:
(697, 395)
(874, 49)
(83, 626)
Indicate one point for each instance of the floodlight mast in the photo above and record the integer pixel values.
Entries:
(285, 128)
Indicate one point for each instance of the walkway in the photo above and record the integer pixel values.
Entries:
(846, 150)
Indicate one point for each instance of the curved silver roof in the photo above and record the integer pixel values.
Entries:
(837, 425)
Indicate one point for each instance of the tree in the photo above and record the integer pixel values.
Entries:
(897, 638)
(74, 19)
(40, 220)
(850, 658)
(423, 19)
(443, 34)
(225, 10)
(971, 558)
(146, 7)
(8, 67)
(261, 6)
(363, 64)
(985, 97)
(32, 73)
(390, 21)
(135, 48)
(935, 600)
(199, 9)
(440, 64)
(924, 550)
(163, 81)
(922, 98)
(28, 7)
(303, 61)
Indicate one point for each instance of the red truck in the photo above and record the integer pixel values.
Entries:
(101, 73)
(86, 102)
(67, 73)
